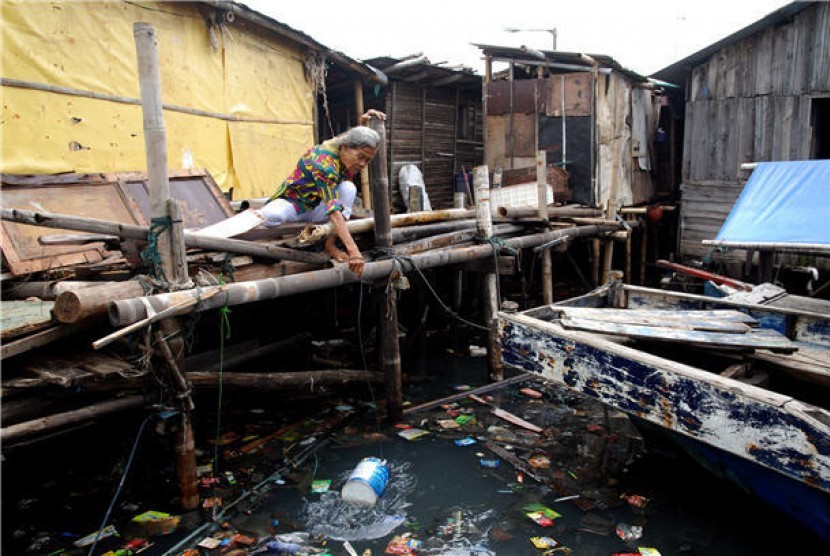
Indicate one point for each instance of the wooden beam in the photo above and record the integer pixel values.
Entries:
(280, 381)
(388, 346)
(15, 433)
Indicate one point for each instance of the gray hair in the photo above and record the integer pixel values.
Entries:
(361, 136)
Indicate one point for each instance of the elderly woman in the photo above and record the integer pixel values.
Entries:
(321, 188)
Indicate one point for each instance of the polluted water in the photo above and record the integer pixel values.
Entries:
(470, 469)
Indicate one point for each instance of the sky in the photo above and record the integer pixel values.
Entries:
(642, 35)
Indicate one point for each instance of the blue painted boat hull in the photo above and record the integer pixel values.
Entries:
(776, 446)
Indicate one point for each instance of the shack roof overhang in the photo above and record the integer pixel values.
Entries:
(558, 60)
(678, 72)
(419, 70)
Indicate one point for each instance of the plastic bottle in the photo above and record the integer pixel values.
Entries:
(281, 547)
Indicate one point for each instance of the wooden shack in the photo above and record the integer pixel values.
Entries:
(761, 94)
(434, 119)
(591, 116)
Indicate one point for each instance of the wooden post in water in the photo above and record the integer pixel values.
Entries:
(484, 222)
(542, 192)
(170, 252)
(611, 214)
(389, 349)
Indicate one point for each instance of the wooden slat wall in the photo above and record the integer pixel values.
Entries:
(405, 133)
(750, 102)
(422, 131)
(439, 145)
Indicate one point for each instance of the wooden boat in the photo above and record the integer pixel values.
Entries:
(739, 382)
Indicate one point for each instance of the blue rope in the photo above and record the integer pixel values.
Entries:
(151, 255)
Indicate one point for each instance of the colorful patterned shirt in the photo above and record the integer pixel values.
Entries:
(313, 181)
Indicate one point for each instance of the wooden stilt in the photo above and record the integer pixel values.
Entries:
(170, 251)
(596, 248)
(542, 191)
(643, 250)
(389, 348)
(481, 181)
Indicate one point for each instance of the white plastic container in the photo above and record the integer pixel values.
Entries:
(366, 482)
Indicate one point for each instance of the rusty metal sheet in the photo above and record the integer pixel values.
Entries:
(524, 93)
(577, 91)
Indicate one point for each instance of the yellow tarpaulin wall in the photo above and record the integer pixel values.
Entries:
(237, 99)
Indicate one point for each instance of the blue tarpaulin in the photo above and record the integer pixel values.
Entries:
(783, 204)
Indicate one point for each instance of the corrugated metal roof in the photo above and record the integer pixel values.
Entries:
(418, 69)
(678, 72)
(564, 60)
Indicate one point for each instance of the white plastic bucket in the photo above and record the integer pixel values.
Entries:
(366, 482)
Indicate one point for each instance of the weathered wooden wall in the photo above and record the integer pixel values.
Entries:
(423, 130)
(750, 102)
(525, 115)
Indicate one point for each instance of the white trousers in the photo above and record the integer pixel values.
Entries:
(280, 211)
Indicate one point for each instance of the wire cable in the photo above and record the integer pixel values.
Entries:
(120, 485)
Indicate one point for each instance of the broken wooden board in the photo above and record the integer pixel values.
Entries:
(725, 320)
(754, 338)
(808, 364)
(759, 295)
(237, 224)
(24, 317)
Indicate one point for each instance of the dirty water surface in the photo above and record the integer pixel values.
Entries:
(521, 469)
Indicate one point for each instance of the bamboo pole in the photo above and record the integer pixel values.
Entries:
(481, 180)
(552, 212)
(128, 311)
(171, 252)
(457, 284)
(365, 184)
(449, 239)
(131, 231)
(388, 346)
(314, 234)
(417, 231)
(542, 213)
